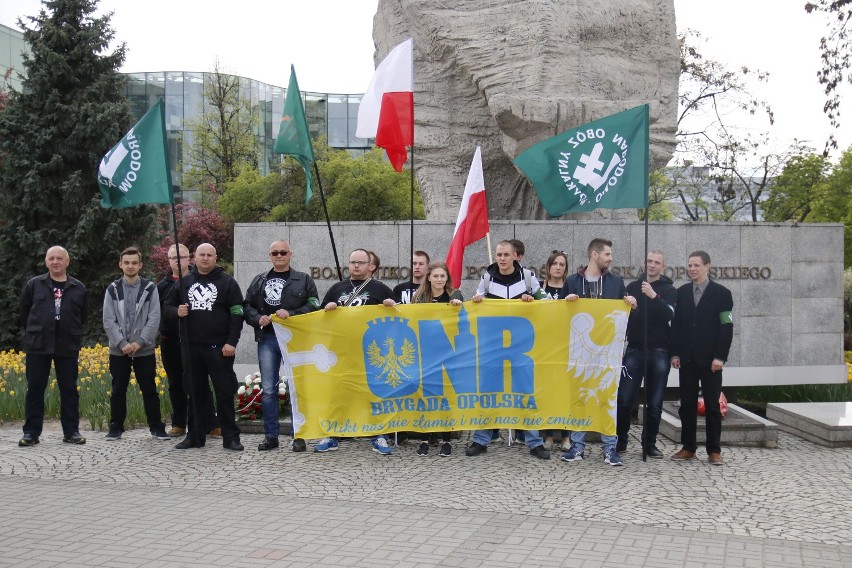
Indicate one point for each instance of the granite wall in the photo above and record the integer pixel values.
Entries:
(786, 280)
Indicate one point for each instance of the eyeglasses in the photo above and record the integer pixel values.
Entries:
(279, 252)
(359, 262)
(175, 258)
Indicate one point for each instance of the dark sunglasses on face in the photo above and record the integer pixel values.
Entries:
(279, 252)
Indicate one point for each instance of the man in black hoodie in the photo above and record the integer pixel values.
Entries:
(656, 297)
(170, 351)
(212, 302)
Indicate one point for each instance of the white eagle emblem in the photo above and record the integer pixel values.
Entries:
(392, 364)
(202, 297)
(597, 366)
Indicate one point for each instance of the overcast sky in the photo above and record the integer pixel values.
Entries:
(330, 43)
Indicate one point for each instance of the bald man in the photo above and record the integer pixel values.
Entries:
(212, 303)
(52, 309)
(170, 352)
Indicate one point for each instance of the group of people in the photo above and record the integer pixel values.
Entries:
(199, 312)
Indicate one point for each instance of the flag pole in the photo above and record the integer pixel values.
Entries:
(411, 256)
(645, 346)
(183, 335)
(490, 257)
(328, 224)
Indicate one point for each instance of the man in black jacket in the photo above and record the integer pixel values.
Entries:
(170, 352)
(53, 308)
(212, 302)
(702, 331)
(283, 292)
(655, 295)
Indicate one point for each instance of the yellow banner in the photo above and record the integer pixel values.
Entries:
(361, 371)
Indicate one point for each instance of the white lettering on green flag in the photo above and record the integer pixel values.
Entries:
(599, 165)
(293, 136)
(136, 170)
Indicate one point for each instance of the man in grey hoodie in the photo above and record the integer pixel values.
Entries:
(131, 319)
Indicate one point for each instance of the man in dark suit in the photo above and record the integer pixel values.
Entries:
(702, 330)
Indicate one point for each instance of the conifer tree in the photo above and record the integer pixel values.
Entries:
(53, 134)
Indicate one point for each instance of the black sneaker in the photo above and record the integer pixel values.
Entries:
(267, 444)
(475, 449)
(113, 435)
(621, 447)
(654, 452)
(160, 433)
(74, 438)
(423, 450)
(28, 440)
(233, 445)
(540, 453)
(446, 450)
(299, 445)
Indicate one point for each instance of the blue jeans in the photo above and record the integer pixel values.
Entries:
(269, 360)
(655, 389)
(578, 441)
(531, 437)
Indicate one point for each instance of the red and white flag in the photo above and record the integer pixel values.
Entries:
(472, 223)
(386, 112)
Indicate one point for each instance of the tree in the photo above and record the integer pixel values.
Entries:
(197, 224)
(224, 141)
(53, 134)
(835, 47)
(811, 190)
(800, 185)
(357, 189)
(368, 188)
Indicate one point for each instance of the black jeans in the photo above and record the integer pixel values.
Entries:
(170, 353)
(692, 377)
(145, 369)
(38, 373)
(207, 361)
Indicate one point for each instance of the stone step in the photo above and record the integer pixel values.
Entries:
(739, 428)
(824, 423)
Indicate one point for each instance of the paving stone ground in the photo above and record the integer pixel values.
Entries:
(139, 502)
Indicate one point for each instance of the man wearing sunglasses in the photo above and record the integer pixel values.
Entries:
(283, 292)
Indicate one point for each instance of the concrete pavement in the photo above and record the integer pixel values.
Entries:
(137, 501)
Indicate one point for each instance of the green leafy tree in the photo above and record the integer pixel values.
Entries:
(357, 189)
(368, 188)
(224, 140)
(799, 186)
(53, 134)
(811, 190)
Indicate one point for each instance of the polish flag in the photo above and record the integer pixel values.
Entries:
(386, 112)
(472, 223)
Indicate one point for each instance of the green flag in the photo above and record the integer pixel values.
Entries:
(136, 170)
(599, 165)
(293, 137)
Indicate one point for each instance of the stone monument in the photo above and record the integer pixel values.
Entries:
(505, 75)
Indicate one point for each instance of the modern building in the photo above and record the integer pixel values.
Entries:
(331, 115)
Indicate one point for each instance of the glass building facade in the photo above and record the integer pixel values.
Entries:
(12, 46)
(328, 114)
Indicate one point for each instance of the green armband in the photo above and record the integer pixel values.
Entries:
(313, 302)
(726, 317)
(236, 310)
